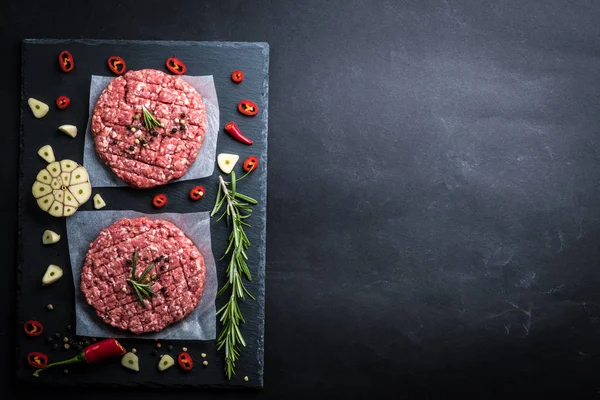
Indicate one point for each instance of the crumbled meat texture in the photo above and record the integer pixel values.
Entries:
(178, 286)
(169, 156)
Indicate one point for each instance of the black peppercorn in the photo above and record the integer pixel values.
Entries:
(131, 148)
(170, 347)
(129, 262)
(151, 139)
(182, 115)
(174, 130)
(163, 135)
(166, 259)
(128, 127)
(115, 141)
(49, 340)
(55, 346)
(154, 133)
(69, 327)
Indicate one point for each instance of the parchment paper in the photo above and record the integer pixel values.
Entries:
(102, 176)
(84, 226)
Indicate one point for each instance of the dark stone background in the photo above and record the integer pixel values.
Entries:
(433, 188)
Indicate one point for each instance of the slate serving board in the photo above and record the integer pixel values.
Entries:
(42, 79)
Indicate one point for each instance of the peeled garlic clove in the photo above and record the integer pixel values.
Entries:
(45, 202)
(38, 108)
(54, 168)
(47, 153)
(69, 199)
(40, 189)
(68, 211)
(79, 175)
(81, 191)
(53, 273)
(165, 362)
(130, 361)
(68, 165)
(44, 177)
(99, 202)
(70, 130)
(50, 237)
(56, 191)
(227, 161)
(56, 209)
(65, 178)
(55, 183)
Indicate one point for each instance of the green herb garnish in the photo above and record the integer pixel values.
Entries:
(238, 208)
(149, 121)
(140, 288)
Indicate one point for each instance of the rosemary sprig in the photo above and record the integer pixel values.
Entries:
(140, 288)
(149, 121)
(238, 207)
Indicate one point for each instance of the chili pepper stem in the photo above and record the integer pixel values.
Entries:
(77, 359)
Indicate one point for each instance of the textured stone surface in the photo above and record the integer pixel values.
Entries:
(43, 80)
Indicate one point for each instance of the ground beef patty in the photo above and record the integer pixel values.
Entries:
(179, 269)
(170, 150)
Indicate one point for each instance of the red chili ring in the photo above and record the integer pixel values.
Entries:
(33, 328)
(237, 76)
(176, 66)
(37, 360)
(160, 200)
(250, 164)
(117, 65)
(66, 62)
(185, 361)
(197, 193)
(62, 102)
(247, 107)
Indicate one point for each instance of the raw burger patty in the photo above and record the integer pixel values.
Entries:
(169, 155)
(179, 269)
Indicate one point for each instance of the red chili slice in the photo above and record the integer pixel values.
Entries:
(197, 192)
(176, 66)
(37, 360)
(63, 102)
(250, 164)
(33, 328)
(185, 361)
(247, 107)
(160, 200)
(117, 65)
(66, 62)
(237, 76)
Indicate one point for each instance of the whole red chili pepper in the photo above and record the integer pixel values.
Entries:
(33, 328)
(37, 360)
(66, 62)
(235, 132)
(63, 102)
(94, 353)
(247, 107)
(176, 66)
(117, 65)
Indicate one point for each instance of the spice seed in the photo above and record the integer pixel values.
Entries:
(66, 371)
(174, 130)
(158, 345)
(134, 350)
(55, 346)
(246, 378)
(203, 355)
(65, 339)
(50, 307)
(205, 363)
(137, 141)
(131, 148)
(67, 346)
(184, 349)
(176, 120)
(69, 327)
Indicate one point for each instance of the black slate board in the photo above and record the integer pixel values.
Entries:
(42, 79)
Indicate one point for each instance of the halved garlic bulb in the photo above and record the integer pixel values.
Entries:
(61, 188)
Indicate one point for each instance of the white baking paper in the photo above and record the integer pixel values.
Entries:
(84, 226)
(100, 173)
